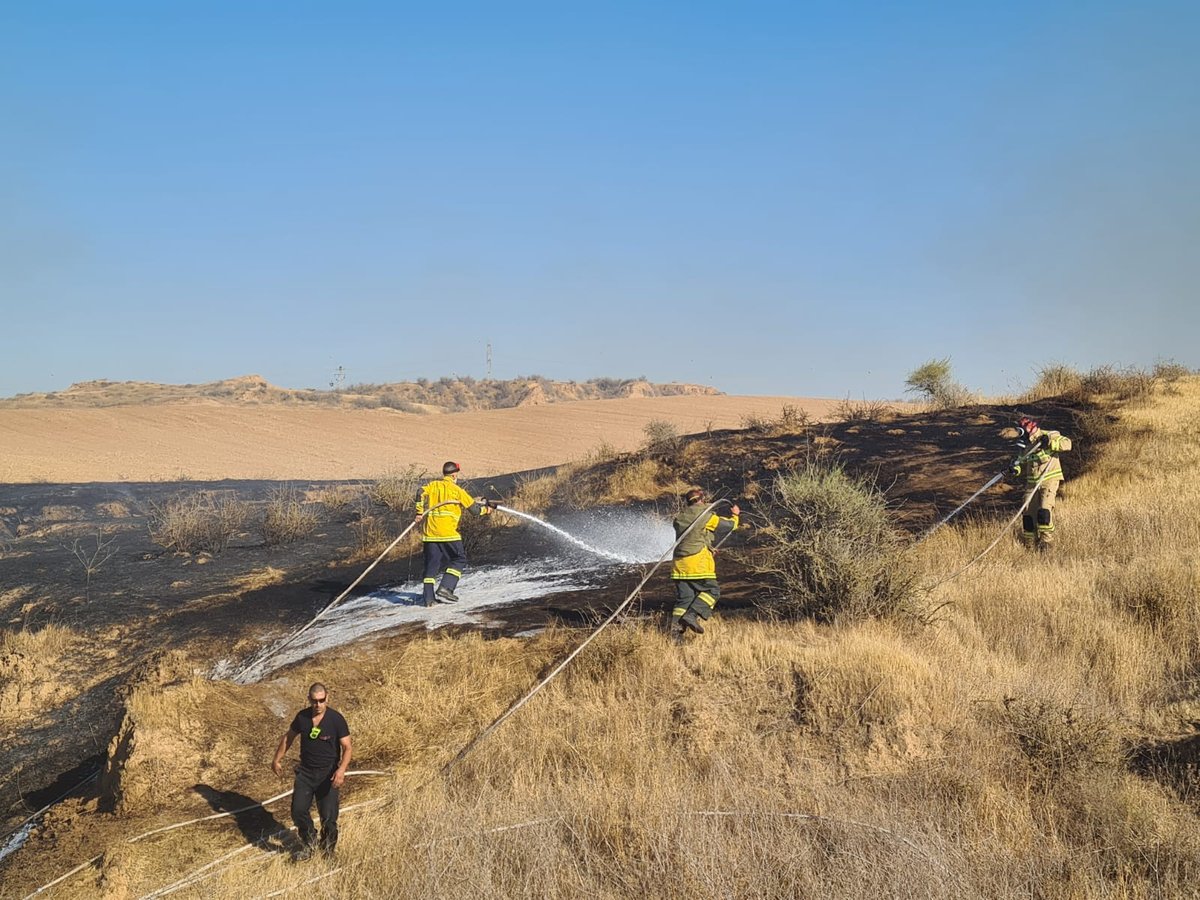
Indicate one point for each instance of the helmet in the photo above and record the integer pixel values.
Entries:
(449, 468)
(694, 496)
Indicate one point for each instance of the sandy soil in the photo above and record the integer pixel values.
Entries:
(186, 441)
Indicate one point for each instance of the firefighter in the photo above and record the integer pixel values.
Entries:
(439, 507)
(695, 569)
(1043, 474)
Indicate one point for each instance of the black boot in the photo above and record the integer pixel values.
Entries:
(688, 620)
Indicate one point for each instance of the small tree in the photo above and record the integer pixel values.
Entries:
(932, 380)
(92, 558)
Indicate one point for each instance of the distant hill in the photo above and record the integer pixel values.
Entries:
(421, 396)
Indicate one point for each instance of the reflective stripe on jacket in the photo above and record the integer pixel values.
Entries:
(694, 557)
(1043, 464)
(441, 522)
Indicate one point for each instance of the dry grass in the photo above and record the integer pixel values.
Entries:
(849, 410)
(986, 756)
(45, 643)
(792, 419)
(203, 522)
(338, 498)
(397, 490)
(286, 518)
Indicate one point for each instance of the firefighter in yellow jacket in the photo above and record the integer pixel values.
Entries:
(439, 507)
(1043, 473)
(695, 569)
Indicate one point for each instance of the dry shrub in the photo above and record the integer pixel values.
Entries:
(832, 550)
(535, 493)
(339, 497)
(602, 452)
(1169, 371)
(397, 490)
(1160, 592)
(849, 410)
(1060, 738)
(204, 522)
(661, 438)
(286, 519)
(792, 419)
(370, 531)
(1123, 385)
(757, 422)
(636, 480)
(1054, 380)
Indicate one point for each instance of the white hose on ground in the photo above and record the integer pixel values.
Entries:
(274, 650)
(332, 872)
(496, 723)
(207, 870)
(986, 550)
(961, 506)
(136, 838)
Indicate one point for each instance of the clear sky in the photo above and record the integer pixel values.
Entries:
(804, 198)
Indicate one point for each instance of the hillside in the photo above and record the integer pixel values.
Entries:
(189, 441)
(1024, 727)
(422, 396)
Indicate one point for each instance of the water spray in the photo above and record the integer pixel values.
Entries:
(569, 537)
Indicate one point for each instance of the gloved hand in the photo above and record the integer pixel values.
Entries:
(1043, 441)
(1013, 471)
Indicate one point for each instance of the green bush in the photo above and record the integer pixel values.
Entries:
(832, 551)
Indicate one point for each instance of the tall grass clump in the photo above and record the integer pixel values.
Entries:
(397, 490)
(832, 551)
(1123, 385)
(1054, 380)
(792, 419)
(850, 411)
(286, 519)
(204, 522)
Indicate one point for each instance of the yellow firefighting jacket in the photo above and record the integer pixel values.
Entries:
(694, 556)
(1043, 464)
(441, 521)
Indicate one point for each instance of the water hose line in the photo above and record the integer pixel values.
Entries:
(275, 649)
(995, 478)
(136, 838)
(499, 720)
(1007, 525)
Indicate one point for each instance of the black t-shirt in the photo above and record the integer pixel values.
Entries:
(320, 745)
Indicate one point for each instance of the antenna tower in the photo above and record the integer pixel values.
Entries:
(489, 361)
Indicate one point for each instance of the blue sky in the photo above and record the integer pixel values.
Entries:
(770, 197)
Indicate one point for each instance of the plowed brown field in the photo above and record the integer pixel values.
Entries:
(192, 441)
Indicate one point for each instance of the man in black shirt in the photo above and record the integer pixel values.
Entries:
(324, 757)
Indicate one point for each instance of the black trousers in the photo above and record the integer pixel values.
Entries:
(318, 785)
(443, 556)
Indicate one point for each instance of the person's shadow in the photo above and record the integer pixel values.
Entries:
(256, 823)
